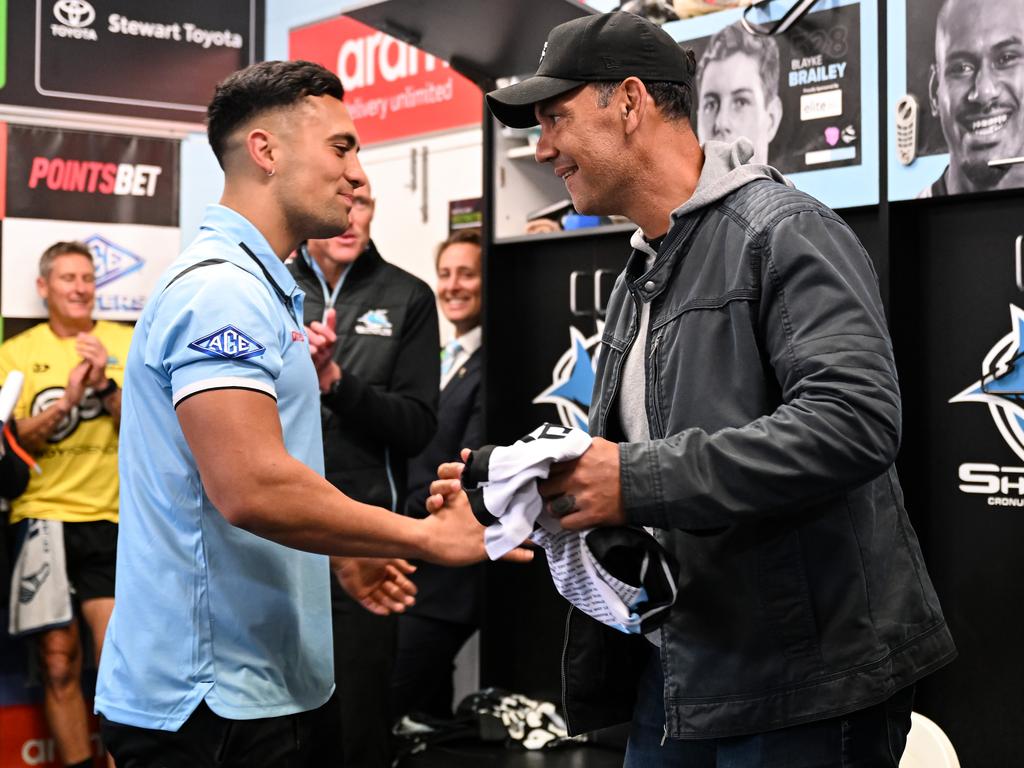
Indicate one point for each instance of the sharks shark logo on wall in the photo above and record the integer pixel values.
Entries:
(1001, 386)
(572, 379)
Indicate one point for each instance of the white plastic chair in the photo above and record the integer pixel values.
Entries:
(928, 746)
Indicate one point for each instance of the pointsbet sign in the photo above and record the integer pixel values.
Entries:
(116, 194)
(70, 175)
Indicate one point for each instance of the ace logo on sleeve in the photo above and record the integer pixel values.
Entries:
(229, 342)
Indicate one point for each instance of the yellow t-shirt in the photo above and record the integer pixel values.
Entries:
(79, 481)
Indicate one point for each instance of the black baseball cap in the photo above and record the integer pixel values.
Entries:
(609, 46)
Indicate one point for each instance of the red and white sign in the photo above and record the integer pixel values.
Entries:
(392, 90)
(116, 194)
(25, 741)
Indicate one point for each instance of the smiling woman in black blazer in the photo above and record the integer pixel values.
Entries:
(447, 608)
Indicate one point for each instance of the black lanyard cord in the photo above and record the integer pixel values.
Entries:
(285, 299)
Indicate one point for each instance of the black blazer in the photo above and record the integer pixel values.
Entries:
(451, 594)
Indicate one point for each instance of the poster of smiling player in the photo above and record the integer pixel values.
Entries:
(807, 98)
(956, 83)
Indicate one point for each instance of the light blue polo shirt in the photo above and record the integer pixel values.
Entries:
(204, 610)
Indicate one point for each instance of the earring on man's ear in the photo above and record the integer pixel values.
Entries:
(271, 172)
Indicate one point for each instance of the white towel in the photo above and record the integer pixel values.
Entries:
(620, 576)
(40, 593)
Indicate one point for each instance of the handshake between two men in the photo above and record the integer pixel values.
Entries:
(581, 492)
(454, 537)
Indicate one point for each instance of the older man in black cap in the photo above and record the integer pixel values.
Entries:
(747, 409)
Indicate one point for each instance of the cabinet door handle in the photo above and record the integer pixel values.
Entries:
(424, 187)
(574, 280)
(601, 307)
(1019, 252)
(411, 186)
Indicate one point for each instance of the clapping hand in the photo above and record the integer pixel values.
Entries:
(95, 354)
(74, 390)
(322, 339)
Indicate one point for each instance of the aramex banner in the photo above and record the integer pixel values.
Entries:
(392, 89)
(117, 194)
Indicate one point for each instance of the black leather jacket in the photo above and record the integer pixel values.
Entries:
(774, 414)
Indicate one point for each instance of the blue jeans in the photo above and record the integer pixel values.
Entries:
(869, 738)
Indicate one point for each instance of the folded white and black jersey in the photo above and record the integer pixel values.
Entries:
(620, 576)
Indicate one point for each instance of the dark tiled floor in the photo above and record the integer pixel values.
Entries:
(468, 756)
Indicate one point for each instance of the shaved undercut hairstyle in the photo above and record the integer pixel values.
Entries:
(261, 88)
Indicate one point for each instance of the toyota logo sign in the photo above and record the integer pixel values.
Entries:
(74, 13)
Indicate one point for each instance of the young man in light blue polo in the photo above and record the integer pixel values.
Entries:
(220, 642)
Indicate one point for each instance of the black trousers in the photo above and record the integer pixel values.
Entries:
(427, 648)
(207, 740)
(354, 728)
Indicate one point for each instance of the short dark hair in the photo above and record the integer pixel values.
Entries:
(260, 88)
(761, 48)
(58, 249)
(471, 236)
(675, 100)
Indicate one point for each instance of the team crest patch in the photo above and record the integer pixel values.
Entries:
(374, 323)
(1001, 386)
(229, 343)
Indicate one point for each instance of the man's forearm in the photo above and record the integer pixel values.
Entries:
(289, 503)
(112, 404)
(235, 437)
(34, 431)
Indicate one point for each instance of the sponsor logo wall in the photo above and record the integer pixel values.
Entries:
(392, 89)
(118, 194)
(1001, 388)
(112, 56)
